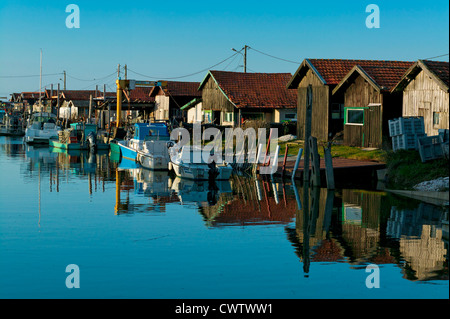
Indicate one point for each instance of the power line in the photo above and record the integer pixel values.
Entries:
(27, 76)
(84, 80)
(434, 57)
(183, 76)
(272, 56)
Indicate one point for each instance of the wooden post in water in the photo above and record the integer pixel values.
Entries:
(329, 166)
(315, 162)
(90, 109)
(57, 103)
(309, 101)
(297, 161)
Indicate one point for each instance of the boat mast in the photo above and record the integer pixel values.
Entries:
(40, 83)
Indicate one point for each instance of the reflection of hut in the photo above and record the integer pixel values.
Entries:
(247, 207)
(361, 223)
(425, 255)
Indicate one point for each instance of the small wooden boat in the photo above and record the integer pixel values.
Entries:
(80, 136)
(189, 163)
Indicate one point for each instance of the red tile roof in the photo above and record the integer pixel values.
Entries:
(386, 77)
(332, 71)
(256, 90)
(141, 94)
(440, 69)
(31, 95)
(437, 69)
(176, 88)
(80, 95)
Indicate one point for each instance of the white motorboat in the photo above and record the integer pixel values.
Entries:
(42, 128)
(154, 153)
(142, 132)
(189, 163)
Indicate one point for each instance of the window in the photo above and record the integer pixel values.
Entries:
(229, 117)
(355, 116)
(435, 118)
(337, 111)
(290, 116)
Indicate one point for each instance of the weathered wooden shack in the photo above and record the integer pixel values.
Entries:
(229, 98)
(369, 102)
(170, 97)
(328, 108)
(425, 88)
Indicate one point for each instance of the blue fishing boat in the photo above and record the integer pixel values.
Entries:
(129, 148)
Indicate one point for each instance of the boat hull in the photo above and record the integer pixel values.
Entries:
(153, 162)
(201, 172)
(126, 151)
(114, 145)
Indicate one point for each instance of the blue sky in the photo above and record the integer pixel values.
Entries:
(168, 40)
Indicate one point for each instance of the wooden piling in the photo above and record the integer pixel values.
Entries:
(315, 162)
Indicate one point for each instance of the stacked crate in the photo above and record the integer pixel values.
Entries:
(405, 132)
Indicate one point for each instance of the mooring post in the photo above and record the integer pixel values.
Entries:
(329, 167)
(315, 162)
(297, 162)
(309, 101)
(285, 158)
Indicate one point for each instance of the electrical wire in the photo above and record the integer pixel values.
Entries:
(27, 76)
(78, 79)
(272, 56)
(183, 76)
(434, 57)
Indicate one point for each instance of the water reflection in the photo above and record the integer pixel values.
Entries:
(360, 228)
(350, 227)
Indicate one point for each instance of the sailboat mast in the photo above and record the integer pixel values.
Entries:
(40, 81)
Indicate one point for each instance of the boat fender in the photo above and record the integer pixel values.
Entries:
(170, 166)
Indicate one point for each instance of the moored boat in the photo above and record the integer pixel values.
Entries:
(189, 163)
(129, 147)
(155, 153)
(42, 128)
(80, 136)
(11, 124)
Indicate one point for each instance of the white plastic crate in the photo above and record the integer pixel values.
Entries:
(406, 142)
(406, 125)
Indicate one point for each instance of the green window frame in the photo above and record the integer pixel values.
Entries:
(354, 115)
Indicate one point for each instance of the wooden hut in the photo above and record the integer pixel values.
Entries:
(171, 97)
(328, 108)
(229, 98)
(426, 93)
(369, 103)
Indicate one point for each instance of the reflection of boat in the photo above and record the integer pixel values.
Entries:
(80, 136)
(200, 192)
(41, 154)
(142, 131)
(42, 128)
(127, 164)
(189, 163)
(11, 124)
(151, 183)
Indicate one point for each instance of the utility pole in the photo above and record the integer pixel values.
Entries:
(64, 80)
(126, 72)
(118, 71)
(245, 58)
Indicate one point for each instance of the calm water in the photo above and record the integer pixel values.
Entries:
(139, 234)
